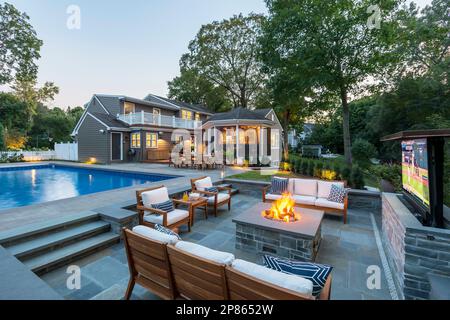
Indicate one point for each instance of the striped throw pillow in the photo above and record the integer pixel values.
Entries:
(166, 206)
(212, 189)
(279, 185)
(316, 273)
(165, 230)
(337, 194)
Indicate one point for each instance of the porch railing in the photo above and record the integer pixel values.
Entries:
(146, 118)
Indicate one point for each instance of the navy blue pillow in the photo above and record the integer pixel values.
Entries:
(279, 185)
(212, 189)
(166, 206)
(337, 194)
(316, 273)
(165, 230)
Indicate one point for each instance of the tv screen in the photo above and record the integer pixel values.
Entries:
(415, 170)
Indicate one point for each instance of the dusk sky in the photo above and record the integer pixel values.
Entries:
(123, 47)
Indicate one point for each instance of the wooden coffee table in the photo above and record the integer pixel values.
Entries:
(298, 240)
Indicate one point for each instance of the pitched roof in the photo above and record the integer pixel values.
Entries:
(109, 120)
(263, 112)
(239, 114)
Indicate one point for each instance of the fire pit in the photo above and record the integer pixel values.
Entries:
(282, 210)
(280, 229)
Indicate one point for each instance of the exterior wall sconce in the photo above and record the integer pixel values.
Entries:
(102, 131)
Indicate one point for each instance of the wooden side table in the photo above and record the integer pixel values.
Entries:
(202, 203)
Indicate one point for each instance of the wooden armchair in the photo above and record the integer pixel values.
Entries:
(215, 199)
(149, 265)
(149, 216)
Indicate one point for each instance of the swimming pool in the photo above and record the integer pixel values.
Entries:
(27, 185)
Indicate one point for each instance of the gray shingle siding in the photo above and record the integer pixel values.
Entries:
(112, 104)
(91, 143)
(95, 106)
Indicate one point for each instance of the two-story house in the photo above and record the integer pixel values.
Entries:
(117, 128)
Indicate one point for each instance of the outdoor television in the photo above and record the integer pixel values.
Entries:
(415, 175)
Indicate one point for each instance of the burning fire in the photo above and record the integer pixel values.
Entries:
(282, 210)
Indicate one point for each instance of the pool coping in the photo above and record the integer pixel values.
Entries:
(15, 217)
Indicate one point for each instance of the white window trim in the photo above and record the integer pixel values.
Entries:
(131, 140)
(157, 138)
(121, 146)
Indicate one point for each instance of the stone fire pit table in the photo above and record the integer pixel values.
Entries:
(298, 240)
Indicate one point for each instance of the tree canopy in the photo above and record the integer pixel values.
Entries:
(19, 45)
(225, 54)
(331, 45)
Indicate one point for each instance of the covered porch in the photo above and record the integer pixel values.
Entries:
(244, 137)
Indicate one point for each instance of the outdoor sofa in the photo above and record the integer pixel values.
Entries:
(311, 193)
(172, 269)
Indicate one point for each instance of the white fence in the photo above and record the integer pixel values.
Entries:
(66, 151)
(63, 151)
(31, 155)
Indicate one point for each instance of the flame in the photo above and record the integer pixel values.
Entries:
(282, 209)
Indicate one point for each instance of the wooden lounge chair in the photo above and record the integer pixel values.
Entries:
(245, 287)
(215, 199)
(149, 216)
(196, 278)
(149, 265)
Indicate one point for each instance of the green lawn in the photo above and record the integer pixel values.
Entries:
(257, 176)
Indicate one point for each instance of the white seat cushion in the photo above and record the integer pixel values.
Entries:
(305, 187)
(155, 196)
(153, 234)
(204, 183)
(321, 202)
(304, 200)
(324, 188)
(172, 217)
(271, 196)
(206, 253)
(287, 281)
(220, 197)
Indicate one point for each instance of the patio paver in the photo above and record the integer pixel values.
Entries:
(350, 249)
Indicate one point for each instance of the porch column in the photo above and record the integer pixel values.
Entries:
(215, 140)
(208, 137)
(237, 144)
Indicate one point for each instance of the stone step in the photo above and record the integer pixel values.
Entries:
(57, 239)
(29, 231)
(63, 256)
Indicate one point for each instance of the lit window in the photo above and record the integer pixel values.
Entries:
(136, 140)
(151, 140)
(197, 117)
(128, 107)
(185, 114)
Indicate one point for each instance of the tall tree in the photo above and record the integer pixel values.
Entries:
(27, 91)
(13, 113)
(335, 44)
(425, 38)
(225, 53)
(2, 138)
(193, 88)
(19, 45)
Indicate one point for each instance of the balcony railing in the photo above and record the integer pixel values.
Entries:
(146, 118)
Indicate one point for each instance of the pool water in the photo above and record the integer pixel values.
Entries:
(23, 186)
